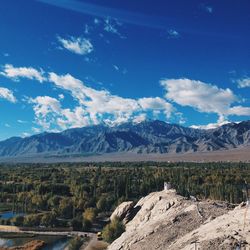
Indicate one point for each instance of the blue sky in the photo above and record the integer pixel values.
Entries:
(68, 63)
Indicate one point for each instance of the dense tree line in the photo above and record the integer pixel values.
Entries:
(78, 194)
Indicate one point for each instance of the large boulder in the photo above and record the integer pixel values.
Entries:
(122, 210)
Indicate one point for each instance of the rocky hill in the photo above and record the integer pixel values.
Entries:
(165, 220)
(141, 138)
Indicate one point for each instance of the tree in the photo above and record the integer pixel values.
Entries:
(54, 201)
(101, 204)
(86, 225)
(76, 224)
(66, 208)
(18, 220)
(89, 214)
(32, 220)
(49, 220)
(75, 243)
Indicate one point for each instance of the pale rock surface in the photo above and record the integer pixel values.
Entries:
(122, 210)
(169, 221)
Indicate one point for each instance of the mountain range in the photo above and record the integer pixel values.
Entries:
(142, 138)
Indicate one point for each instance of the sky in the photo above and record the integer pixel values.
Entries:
(72, 63)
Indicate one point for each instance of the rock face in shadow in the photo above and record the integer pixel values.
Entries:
(145, 137)
(169, 221)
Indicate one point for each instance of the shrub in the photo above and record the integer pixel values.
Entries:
(17, 221)
(75, 243)
(113, 230)
(76, 224)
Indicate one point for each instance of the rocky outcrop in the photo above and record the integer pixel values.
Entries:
(122, 210)
(167, 220)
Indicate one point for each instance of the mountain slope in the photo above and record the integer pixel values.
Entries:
(145, 137)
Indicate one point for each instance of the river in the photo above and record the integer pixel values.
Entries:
(9, 215)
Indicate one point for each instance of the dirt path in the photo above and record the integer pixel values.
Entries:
(94, 244)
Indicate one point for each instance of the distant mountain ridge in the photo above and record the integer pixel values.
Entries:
(145, 137)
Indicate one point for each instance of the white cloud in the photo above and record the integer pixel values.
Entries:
(119, 69)
(77, 45)
(61, 96)
(111, 26)
(116, 67)
(46, 104)
(21, 121)
(96, 21)
(205, 98)
(7, 94)
(239, 111)
(140, 118)
(173, 34)
(102, 101)
(36, 130)
(244, 82)
(156, 104)
(97, 103)
(25, 134)
(94, 106)
(87, 29)
(50, 115)
(22, 72)
(199, 95)
(210, 125)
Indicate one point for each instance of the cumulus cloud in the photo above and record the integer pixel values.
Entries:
(140, 118)
(205, 98)
(244, 82)
(7, 94)
(16, 73)
(49, 114)
(239, 111)
(156, 104)
(77, 45)
(93, 106)
(202, 96)
(46, 105)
